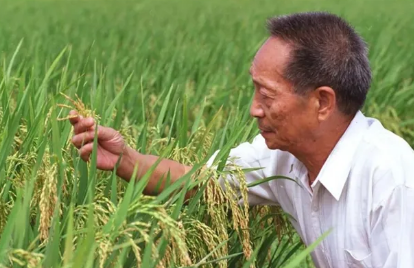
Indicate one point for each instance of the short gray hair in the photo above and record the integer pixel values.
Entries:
(326, 51)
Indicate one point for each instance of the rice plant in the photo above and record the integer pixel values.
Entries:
(172, 77)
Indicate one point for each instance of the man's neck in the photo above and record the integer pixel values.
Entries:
(314, 153)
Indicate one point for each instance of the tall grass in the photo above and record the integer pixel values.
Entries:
(172, 77)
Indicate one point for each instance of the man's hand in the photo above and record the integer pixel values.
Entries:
(110, 142)
(110, 147)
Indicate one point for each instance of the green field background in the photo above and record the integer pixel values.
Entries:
(172, 76)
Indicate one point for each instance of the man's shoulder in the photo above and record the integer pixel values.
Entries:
(385, 147)
(384, 140)
(387, 159)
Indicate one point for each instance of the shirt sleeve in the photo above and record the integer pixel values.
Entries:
(250, 155)
(392, 235)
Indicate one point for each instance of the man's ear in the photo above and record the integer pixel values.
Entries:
(326, 102)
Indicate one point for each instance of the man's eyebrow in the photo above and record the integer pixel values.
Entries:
(260, 82)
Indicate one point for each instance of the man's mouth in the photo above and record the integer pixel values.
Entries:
(263, 130)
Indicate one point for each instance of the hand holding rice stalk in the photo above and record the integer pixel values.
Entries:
(111, 145)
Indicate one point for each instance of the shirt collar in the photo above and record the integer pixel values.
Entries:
(335, 171)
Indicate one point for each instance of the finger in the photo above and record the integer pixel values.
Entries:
(106, 133)
(86, 151)
(73, 120)
(83, 138)
(83, 125)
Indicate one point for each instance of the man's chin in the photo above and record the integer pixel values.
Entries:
(272, 144)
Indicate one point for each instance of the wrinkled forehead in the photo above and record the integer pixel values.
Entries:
(271, 58)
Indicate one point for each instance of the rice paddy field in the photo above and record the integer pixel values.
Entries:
(172, 77)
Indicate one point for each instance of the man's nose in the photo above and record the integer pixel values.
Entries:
(256, 109)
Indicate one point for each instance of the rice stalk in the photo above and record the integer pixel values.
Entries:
(79, 106)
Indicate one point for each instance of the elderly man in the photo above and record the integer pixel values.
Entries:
(354, 177)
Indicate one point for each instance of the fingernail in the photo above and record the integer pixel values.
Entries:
(90, 121)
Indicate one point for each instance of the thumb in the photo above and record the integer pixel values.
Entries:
(107, 133)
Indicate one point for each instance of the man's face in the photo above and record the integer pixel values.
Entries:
(285, 118)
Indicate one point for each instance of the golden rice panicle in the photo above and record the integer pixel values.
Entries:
(175, 233)
(201, 240)
(129, 132)
(189, 155)
(137, 252)
(217, 207)
(48, 196)
(171, 229)
(240, 219)
(25, 258)
(104, 249)
(231, 197)
(185, 155)
(79, 106)
(4, 212)
(166, 261)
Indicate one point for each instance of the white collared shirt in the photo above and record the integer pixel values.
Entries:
(364, 194)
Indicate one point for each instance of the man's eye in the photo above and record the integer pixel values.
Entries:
(264, 94)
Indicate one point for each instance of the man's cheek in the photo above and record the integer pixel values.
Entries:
(276, 115)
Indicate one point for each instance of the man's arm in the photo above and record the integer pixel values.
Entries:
(392, 234)
(131, 158)
(111, 146)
